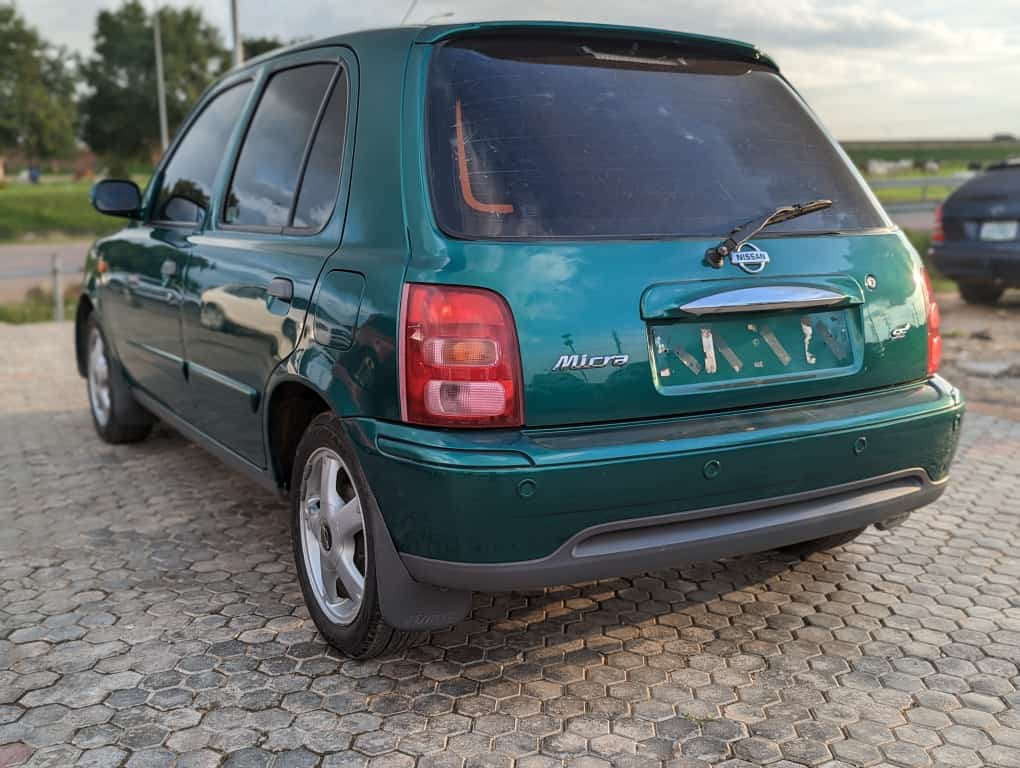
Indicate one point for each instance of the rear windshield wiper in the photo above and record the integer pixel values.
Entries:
(716, 257)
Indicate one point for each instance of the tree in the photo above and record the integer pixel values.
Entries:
(256, 46)
(119, 110)
(37, 111)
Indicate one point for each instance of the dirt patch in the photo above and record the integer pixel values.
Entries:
(982, 352)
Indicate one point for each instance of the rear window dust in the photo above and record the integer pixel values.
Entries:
(569, 138)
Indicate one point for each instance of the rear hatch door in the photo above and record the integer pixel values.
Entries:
(585, 177)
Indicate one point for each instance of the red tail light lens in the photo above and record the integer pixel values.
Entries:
(459, 359)
(934, 320)
(938, 233)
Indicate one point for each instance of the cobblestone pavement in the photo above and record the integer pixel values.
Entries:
(149, 616)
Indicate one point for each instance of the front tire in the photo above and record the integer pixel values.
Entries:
(117, 416)
(330, 501)
(980, 293)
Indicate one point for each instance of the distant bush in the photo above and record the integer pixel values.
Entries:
(50, 208)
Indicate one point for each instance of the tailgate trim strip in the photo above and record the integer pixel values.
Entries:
(763, 299)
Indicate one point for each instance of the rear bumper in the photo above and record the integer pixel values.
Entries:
(647, 544)
(986, 262)
(516, 509)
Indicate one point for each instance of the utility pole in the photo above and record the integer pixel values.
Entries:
(235, 27)
(160, 87)
(407, 14)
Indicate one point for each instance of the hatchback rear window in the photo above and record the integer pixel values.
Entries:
(549, 137)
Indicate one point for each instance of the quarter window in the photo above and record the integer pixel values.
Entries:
(269, 167)
(186, 187)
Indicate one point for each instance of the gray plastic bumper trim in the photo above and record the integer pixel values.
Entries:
(669, 541)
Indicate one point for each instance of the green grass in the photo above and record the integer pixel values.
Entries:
(45, 210)
(922, 241)
(912, 194)
(37, 307)
(950, 154)
(51, 209)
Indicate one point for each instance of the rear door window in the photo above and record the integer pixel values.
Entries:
(547, 138)
(187, 180)
(269, 167)
(321, 181)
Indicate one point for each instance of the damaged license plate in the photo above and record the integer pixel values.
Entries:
(748, 349)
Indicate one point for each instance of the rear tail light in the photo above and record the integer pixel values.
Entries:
(933, 318)
(459, 359)
(938, 233)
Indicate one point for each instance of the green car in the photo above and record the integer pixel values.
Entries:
(507, 305)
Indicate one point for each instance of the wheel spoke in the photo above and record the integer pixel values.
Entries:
(312, 515)
(328, 564)
(100, 368)
(352, 578)
(329, 499)
(99, 379)
(347, 522)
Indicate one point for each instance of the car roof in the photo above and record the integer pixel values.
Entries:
(427, 34)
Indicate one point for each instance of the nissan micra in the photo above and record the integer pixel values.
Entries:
(507, 305)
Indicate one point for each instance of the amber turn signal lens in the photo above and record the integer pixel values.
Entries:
(441, 352)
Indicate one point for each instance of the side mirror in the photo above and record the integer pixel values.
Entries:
(116, 197)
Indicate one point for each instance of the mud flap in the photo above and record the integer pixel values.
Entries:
(403, 602)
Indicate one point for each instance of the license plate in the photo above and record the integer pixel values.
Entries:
(746, 349)
(999, 230)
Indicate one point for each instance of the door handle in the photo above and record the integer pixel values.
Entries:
(281, 288)
(169, 268)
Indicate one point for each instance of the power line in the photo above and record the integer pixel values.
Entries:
(164, 136)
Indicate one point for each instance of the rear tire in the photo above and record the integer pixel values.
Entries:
(805, 548)
(332, 548)
(980, 293)
(117, 416)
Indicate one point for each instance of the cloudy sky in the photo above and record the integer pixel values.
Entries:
(871, 68)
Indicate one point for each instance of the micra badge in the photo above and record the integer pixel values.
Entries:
(584, 362)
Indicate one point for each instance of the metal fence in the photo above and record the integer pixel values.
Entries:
(925, 184)
(56, 274)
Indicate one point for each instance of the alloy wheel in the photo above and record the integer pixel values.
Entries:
(333, 536)
(99, 378)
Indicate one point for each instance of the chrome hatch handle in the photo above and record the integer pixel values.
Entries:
(764, 298)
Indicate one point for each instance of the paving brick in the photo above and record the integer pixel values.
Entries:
(151, 617)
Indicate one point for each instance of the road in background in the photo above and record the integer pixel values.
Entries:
(28, 257)
(922, 221)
